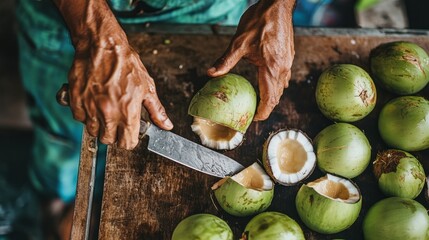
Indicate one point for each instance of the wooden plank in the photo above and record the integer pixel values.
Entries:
(146, 196)
(84, 192)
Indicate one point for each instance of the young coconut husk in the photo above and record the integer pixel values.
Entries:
(403, 123)
(400, 67)
(202, 226)
(246, 193)
(329, 204)
(223, 110)
(399, 174)
(345, 93)
(272, 225)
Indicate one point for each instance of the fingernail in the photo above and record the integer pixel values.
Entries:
(211, 70)
(168, 123)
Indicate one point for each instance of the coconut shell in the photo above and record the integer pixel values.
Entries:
(403, 123)
(400, 67)
(266, 162)
(228, 100)
(325, 215)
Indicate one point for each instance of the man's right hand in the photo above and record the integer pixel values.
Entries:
(108, 82)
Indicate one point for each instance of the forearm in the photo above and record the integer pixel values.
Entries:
(91, 22)
(286, 5)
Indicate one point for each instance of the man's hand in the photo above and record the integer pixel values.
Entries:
(108, 82)
(264, 37)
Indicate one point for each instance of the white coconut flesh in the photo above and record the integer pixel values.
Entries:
(291, 156)
(253, 177)
(336, 188)
(216, 136)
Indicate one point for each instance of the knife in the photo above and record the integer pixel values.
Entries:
(188, 153)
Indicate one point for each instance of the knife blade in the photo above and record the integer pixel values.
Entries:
(188, 153)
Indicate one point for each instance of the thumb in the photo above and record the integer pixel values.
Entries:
(225, 63)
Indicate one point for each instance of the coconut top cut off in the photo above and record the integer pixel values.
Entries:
(336, 188)
(253, 177)
(289, 156)
(223, 110)
(216, 136)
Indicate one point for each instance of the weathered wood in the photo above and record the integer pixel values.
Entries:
(146, 196)
(84, 192)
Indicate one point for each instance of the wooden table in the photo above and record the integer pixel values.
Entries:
(146, 196)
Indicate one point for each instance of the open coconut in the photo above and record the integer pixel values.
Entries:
(223, 110)
(246, 193)
(329, 204)
(288, 156)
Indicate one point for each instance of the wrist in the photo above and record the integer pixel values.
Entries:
(105, 34)
(91, 24)
(287, 5)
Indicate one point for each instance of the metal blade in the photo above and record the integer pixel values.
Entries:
(190, 154)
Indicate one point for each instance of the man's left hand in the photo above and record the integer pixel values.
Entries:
(264, 37)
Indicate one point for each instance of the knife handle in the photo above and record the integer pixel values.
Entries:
(144, 127)
(63, 95)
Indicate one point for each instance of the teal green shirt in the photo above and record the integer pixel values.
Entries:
(224, 12)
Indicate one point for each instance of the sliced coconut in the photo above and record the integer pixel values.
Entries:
(289, 157)
(216, 136)
(252, 177)
(329, 204)
(336, 188)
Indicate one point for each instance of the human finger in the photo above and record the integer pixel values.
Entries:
(92, 122)
(270, 91)
(225, 63)
(127, 137)
(157, 112)
(75, 92)
(128, 132)
(109, 122)
(108, 132)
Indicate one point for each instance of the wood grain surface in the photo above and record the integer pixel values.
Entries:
(146, 196)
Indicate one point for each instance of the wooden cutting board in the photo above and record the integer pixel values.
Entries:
(146, 196)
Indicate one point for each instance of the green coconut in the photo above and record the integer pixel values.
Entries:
(223, 110)
(400, 67)
(399, 174)
(345, 93)
(329, 204)
(247, 193)
(272, 226)
(396, 218)
(202, 226)
(342, 149)
(403, 123)
(288, 156)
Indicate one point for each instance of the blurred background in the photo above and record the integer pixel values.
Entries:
(15, 126)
